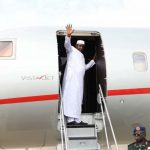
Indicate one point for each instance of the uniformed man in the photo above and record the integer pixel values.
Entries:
(72, 91)
(141, 143)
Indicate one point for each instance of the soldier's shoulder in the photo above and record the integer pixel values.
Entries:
(131, 145)
(148, 142)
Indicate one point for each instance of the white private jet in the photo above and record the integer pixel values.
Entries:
(31, 60)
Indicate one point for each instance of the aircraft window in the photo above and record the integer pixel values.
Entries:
(140, 61)
(6, 49)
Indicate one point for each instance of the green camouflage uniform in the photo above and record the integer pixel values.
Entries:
(135, 146)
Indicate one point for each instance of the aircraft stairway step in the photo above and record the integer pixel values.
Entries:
(87, 148)
(82, 143)
(81, 130)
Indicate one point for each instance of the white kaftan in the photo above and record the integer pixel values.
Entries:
(72, 90)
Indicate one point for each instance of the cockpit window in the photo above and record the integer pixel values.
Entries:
(140, 61)
(7, 49)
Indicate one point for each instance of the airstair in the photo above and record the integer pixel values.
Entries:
(85, 137)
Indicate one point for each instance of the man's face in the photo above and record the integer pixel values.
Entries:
(139, 136)
(80, 47)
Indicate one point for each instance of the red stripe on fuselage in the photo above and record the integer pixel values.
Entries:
(128, 91)
(116, 92)
(29, 99)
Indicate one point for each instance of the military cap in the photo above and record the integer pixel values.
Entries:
(140, 128)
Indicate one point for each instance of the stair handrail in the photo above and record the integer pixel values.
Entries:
(64, 139)
(102, 99)
(104, 121)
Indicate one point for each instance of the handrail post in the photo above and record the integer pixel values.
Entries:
(63, 124)
(107, 113)
(61, 130)
(100, 101)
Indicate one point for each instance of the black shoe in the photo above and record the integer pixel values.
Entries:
(71, 123)
(82, 123)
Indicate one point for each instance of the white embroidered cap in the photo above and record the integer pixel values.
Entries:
(81, 42)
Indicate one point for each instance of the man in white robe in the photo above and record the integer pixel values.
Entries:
(73, 80)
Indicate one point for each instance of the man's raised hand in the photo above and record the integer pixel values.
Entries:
(69, 30)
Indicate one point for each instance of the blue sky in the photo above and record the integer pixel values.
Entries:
(103, 13)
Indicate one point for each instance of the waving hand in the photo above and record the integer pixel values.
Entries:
(69, 30)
